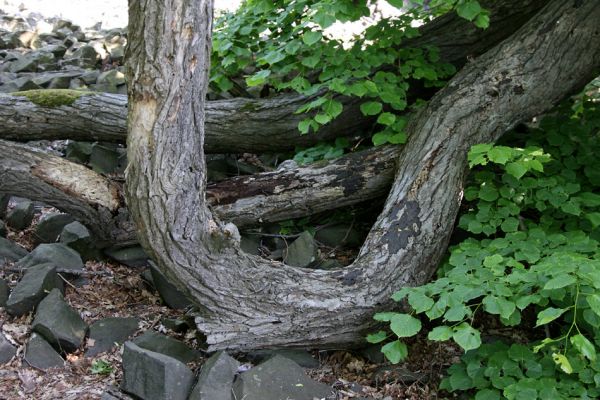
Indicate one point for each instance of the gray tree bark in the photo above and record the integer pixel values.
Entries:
(253, 125)
(247, 302)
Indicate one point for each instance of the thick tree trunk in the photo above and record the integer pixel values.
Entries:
(252, 125)
(98, 203)
(247, 302)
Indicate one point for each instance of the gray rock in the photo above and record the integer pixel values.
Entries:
(302, 252)
(372, 353)
(338, 235)
(60, 82)
(21, 215)
(79, 152)
(4, 198)
(90, 77)
(168, 292)
(7, 350)
(18, 85)
(50, 226)
(85, 57)
(301, 357)
(4, 292)
(112, 77)
(104, 159)
(40, 354)
(35, 61)
(250, 244)
(10, 251)
(215, 381)
(58, 323)
(32, 288)
(133, 256)
(166, 345)
(58, 254)
(108, 332)
(176, 324)
(76, 236)
(2, 229)
(154, 376)
(278, 378)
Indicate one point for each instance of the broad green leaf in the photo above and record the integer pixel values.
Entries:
(468, 10)
(380, 138)
(482, 21)
(395, 351)
(548, 315)
(516, 169)
(420, 302)
(440, 333)
(594, 302)
(520, 353)
(273, 57)
(309, 38)
(560, 281)
(500, 154)
(386, 118)
(562, 362)
(467, 337)
(377, 337)
(584, 346)
(304, 125)
(488, 192)
(371, 108)
(258, 78)
(384, 316)
(322, 118)
(333, 108)
(404, 325)
(397, 138)
(594, 218)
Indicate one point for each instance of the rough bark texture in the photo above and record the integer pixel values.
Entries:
(252, 125)
(248, 302)
(243, 200)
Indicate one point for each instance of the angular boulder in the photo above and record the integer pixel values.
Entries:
(40, 354)
(78, 237)
(301, 357)
(21, 215)
(172, 296)
(166, 345)
(215, 381)
(4, 292)
(10, 251)
(58, 323)
(302, 252)
(50, 226)
(7, 350)
(108, 332)
(154, 376)
(278, 378)
(32, 288)
(58, 254)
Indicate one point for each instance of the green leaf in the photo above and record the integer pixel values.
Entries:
(562, 362)
(258, 78)
(594, 302)
(386, 118)
(395, 351)
(440, 333)
(560, 281)
(309, 38)
(333, 108)
(488, 192)
(594, 218)
(404, 325)
(488, 394)
(500, 154)
(384, 316)
(548, 315)
(322, 118)
(304, 125)
(273, 57)
(371, 108)
(482, 21)
(584, 346)
(420, 302)
(468, 10)
(377, 337)
(467, 337)
(516, 169)
(380, 138)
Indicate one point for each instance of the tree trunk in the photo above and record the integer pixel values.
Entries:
(247, 302)
(253, 125)
(97, 202)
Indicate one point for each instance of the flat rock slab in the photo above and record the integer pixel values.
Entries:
(154, 376)
(302, 252)
(21, 215)
(2, 229)
(40, 354)
(279, 378)
(50, 226)
(10, 251)
(58, 254)
(58, 323)
(167, 291)
(32, 288)
(301, 357)
(166, 345)
(7, 350)
(215, 381)
(131, 256)
(108, 332)
(4, 292)
(78, 237)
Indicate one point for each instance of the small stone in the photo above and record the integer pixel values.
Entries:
(4, 292)
(76, 236)
(338, 235)
(10, 251)
(32, 288)
(168, 292)
(131, 256)
(154, 376)
(7, 350)
(58, 254)
(79, 152)
(301, 357)
(58, 323)
(49, 227)
(302, 252)
(104, 159)
(112, 77)
(21, 215)
(40, 354)
(4, 199)
(2, 229)
(108, 332)
(167, 345)
(215, 381)
(175, 324)
(278, 378)
(250, 244)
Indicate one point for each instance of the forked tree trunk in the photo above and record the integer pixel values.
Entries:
(248, 302)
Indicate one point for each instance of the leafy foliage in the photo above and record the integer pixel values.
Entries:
(101, 367)
(533, 213)
(282, 45)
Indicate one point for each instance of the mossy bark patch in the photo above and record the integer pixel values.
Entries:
(51, 97)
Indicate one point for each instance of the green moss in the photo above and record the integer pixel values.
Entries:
(51, 97)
